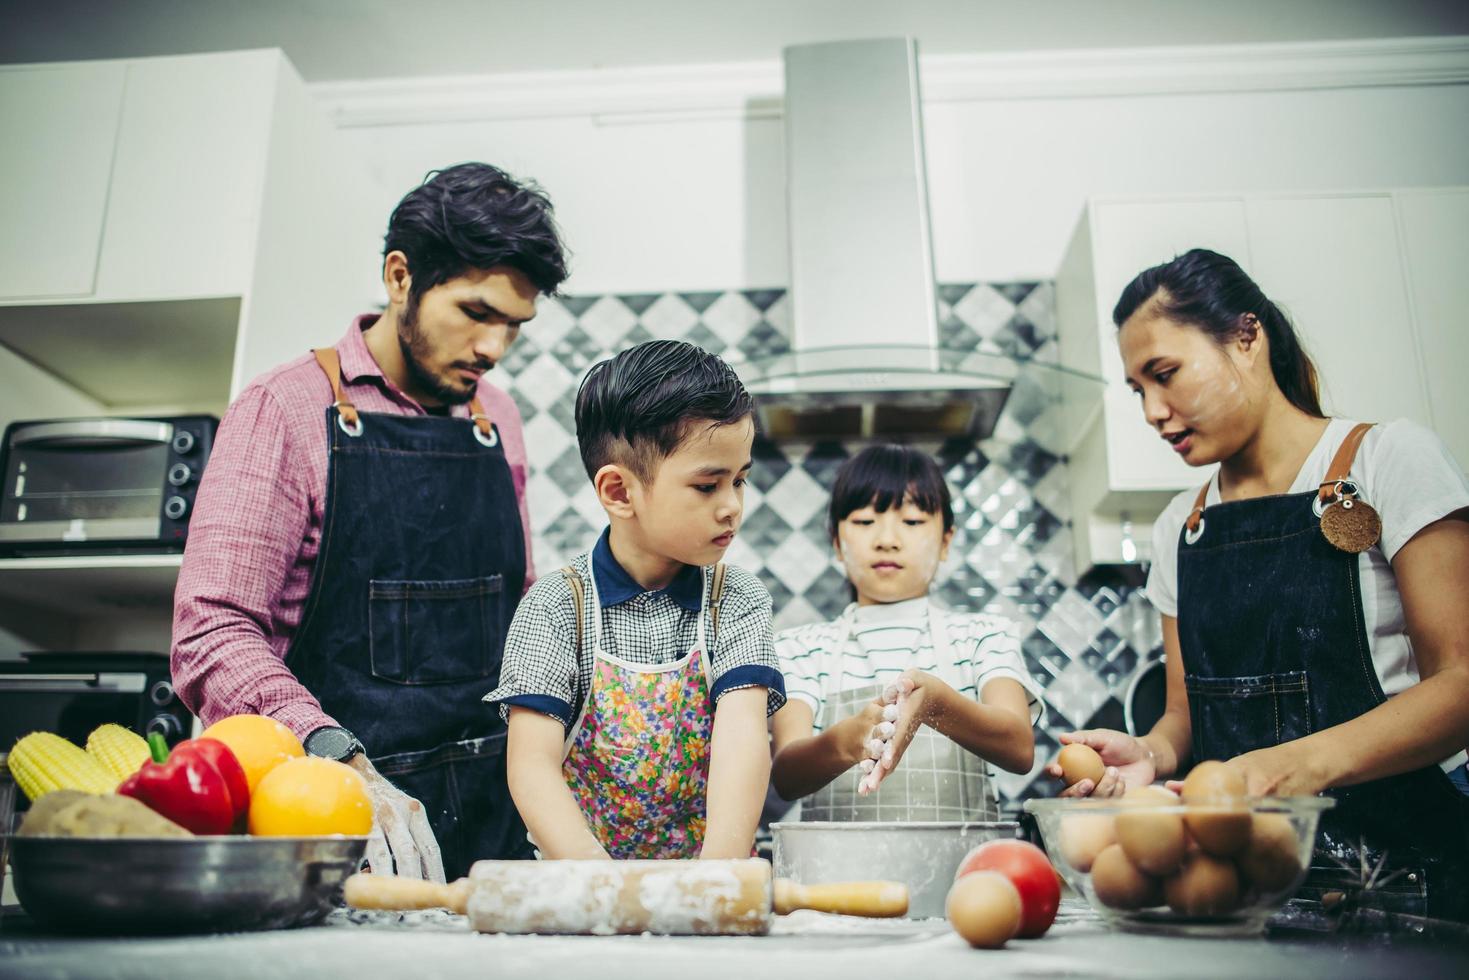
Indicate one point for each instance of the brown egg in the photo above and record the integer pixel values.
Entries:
(1083, 836)
(1223, 831)
(1152, 840)
(1204, 886)
(1213, 782)
(1120, 885)
(1272, 860)
(984, 908)
(1080, 762)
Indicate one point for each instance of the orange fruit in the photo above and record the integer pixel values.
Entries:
(310, 797)
(260, 743)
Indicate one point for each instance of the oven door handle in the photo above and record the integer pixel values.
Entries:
(94, 432)
(105, 682)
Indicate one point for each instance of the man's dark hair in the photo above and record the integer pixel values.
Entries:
(635, 409)
(475, 216)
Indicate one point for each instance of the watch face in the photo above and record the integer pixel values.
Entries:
(331, 743)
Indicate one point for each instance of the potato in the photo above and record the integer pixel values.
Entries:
(67, 813)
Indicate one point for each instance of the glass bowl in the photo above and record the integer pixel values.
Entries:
(1217, 870)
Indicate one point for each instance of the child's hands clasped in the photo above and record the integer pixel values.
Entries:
(903, 708)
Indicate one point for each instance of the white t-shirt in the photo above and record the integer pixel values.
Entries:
(887, 640)
(1407, 474)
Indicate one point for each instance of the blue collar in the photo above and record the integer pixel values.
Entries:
(615, 586)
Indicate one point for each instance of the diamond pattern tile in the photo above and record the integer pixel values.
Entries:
(1012, 556)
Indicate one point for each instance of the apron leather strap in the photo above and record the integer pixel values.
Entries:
(331, 366)
(1337, 472)
(715, 591)
(1341, 464)
(578, 599)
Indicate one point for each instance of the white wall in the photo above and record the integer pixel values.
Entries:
(690, 195)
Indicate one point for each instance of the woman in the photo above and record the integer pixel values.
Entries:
(1315, 649)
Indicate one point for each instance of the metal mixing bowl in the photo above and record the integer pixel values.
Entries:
(198, 884)
(922, 855)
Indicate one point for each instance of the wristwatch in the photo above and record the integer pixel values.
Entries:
(332, 742)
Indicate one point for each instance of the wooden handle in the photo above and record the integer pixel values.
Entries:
(369, 891)
(873, 899)
(672, 898)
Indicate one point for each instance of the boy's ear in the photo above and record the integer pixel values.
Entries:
(614, 486)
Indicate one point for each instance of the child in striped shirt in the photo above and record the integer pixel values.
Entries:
(897, 692)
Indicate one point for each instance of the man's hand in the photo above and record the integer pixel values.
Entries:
(402, 842)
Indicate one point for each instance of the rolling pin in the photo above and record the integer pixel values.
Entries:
(673, 898)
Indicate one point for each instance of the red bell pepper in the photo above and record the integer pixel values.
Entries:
(200, 785)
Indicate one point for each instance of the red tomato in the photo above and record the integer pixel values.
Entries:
(1031, 874)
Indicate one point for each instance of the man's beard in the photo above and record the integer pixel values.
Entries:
(416, 351)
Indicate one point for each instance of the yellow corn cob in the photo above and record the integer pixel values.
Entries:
(120, 751)
(42, 762)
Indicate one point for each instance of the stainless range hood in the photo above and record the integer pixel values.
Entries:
(865, 359)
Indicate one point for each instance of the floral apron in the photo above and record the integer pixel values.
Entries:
(637, 759)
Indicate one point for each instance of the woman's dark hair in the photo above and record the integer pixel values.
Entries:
(1211, 292)
(475, 216)
(884, 476)
(635, 409)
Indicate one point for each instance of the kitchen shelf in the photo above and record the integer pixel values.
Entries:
(90, 585)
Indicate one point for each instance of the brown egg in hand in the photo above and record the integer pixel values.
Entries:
(1080, 762)
(1271, 861)
(1083, 837)
(1154, 841)
(1204, 886)
(984, 908)
(1120, 885)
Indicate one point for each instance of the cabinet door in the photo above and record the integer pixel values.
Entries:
(1131, 237)
(62, 124)
(1333, 264)
(190, 166)
(1435, 229)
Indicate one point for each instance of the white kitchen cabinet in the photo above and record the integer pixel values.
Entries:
(1372, 281)
(1434, 225)
(61, 123)
(230, 232)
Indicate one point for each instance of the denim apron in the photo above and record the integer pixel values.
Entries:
(637, 758)
(937, 779)
(1274, 648)
(421, 565)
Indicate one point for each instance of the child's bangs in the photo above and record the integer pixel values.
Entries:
(883, 477)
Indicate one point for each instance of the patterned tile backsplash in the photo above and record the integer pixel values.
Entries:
(1082, 636)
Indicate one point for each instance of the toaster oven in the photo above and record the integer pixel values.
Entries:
(100, 486)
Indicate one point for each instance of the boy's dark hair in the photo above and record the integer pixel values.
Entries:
(884, 476)
(635, 408)
(475, 216)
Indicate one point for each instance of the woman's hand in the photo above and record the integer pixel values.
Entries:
(1129, 762)
(1280, 770)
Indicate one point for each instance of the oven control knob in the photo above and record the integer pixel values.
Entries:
(174, 508)
(166, 725)
(179, 474)
(183, 442)
(161, 693)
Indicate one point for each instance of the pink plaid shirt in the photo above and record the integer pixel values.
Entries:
(256, 530)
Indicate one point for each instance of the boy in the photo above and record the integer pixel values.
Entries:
(614, 668)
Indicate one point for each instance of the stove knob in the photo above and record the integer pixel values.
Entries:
(174, 508)
(166, 725)
(183, 442)
(161, 693)
(179, 474)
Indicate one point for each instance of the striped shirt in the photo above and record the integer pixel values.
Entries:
(887, 640)
(256, 532)
(544, 670)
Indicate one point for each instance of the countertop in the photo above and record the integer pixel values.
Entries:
(805, 946)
